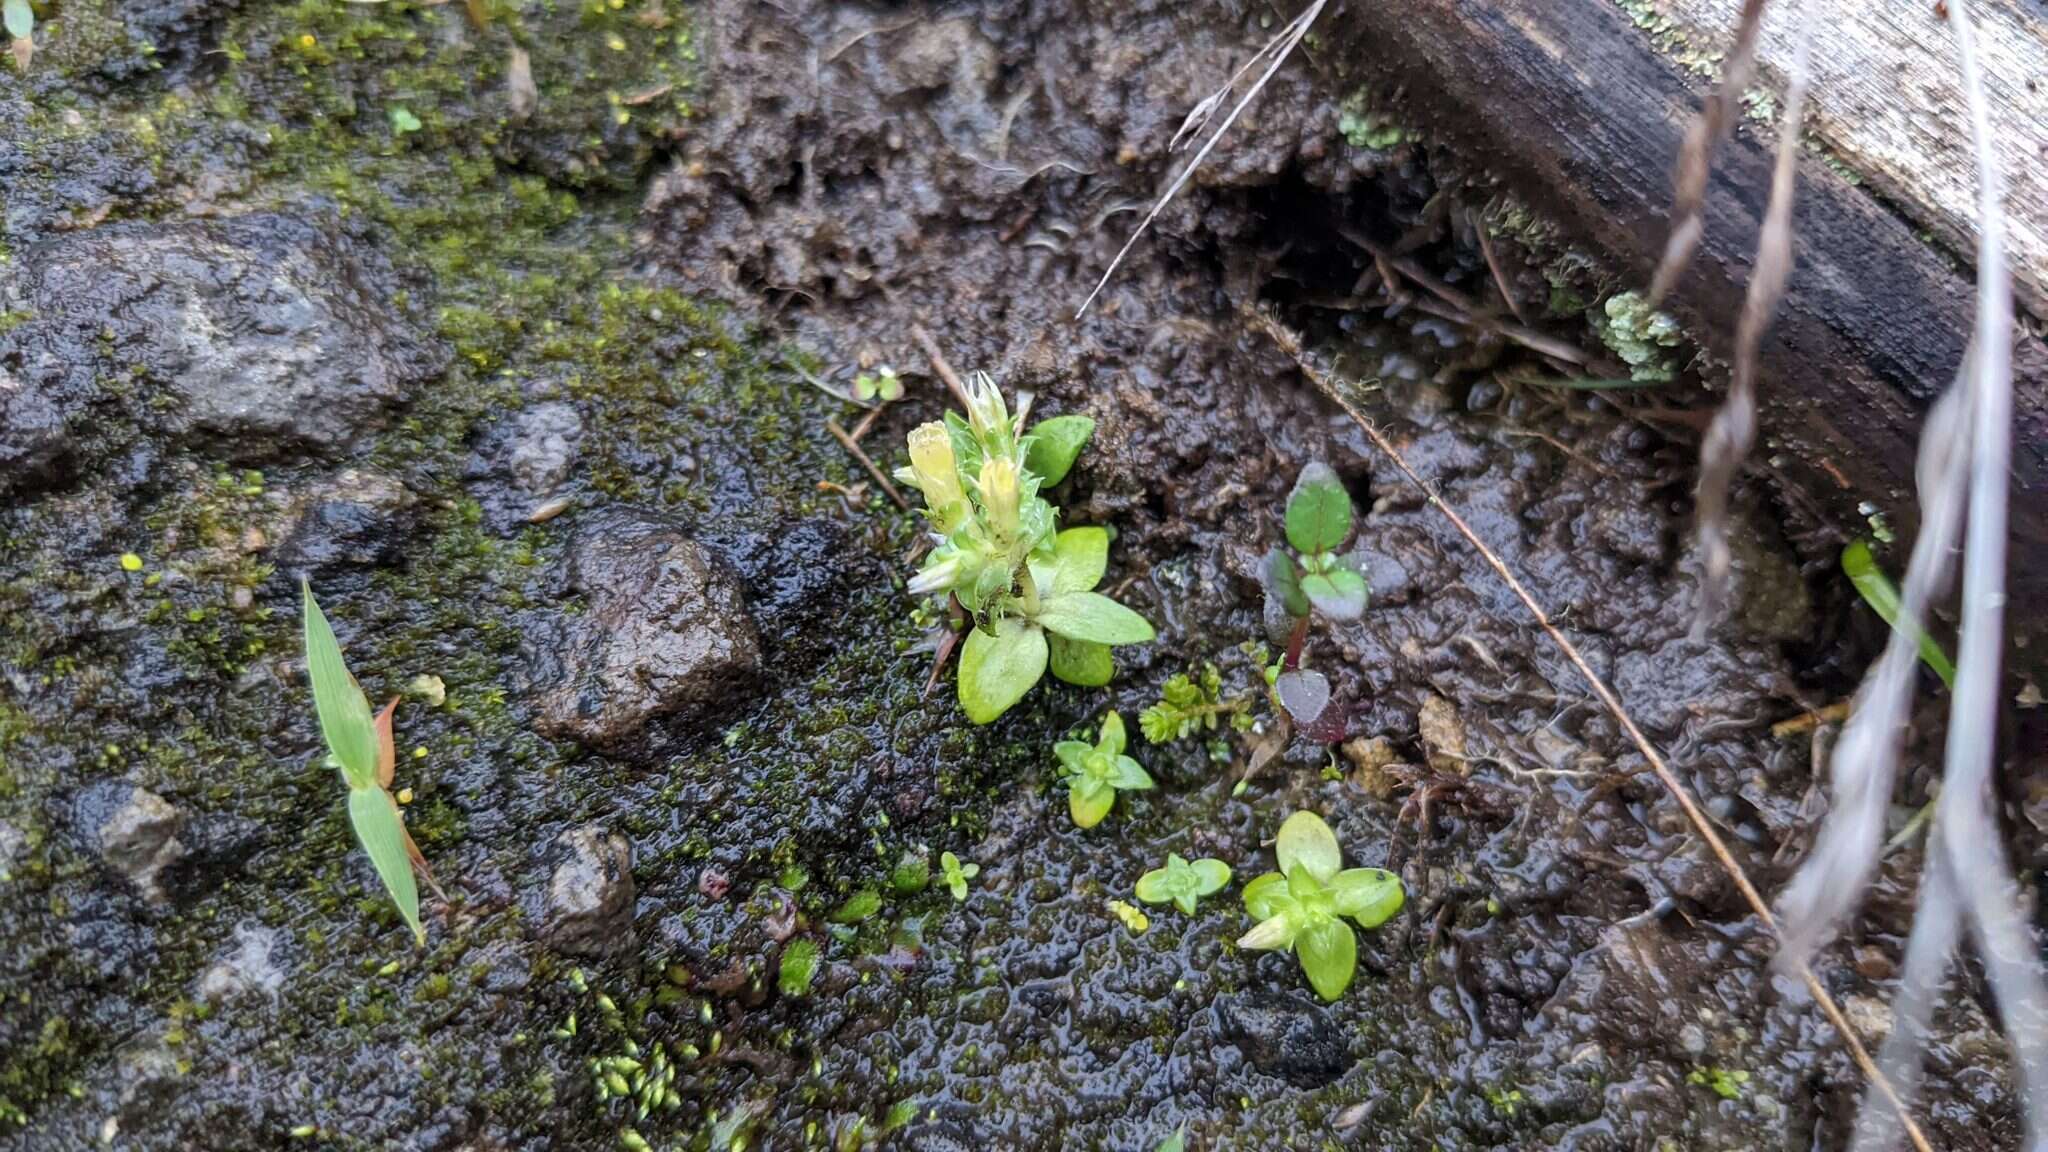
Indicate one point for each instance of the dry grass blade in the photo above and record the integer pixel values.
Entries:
(1291, 344)
(1280, 47)
(1696, 155)
(1967, 870)
(1733, 431)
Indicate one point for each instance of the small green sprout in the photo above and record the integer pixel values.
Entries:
(1134, 919)
(1177, 1142)
(1029, 588)
(1302, 906)
(882, 386)
(957, 874)
(1188, 705)
(799, 968)
(1182, 883)
(1096, 774)
(362, 747)
(403, 122)
(20, 20)
(1314, 578)
(1877, 591)
(1723, 1082)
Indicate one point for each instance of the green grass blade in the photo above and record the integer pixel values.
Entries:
(344, 712)
(1878, 592)
(382, 833)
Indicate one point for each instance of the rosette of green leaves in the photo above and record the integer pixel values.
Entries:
(1031, 589)
(1094, 775)
(1182, 882)
(1303, 905)
(361, 746)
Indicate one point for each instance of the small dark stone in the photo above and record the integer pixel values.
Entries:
(356, 518)
(588, 907)
(134, 831)
(1286, 1035)
(665, 632)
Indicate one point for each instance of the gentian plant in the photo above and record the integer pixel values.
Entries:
(1096, 774)
(1314, 577)
(1028, 587)
(1181, 883)
(1303, 905)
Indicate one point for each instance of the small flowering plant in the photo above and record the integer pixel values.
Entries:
(1096, 774)
(1303, 905)
(1314, 577)
(1028, 586)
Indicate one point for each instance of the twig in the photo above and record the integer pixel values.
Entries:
(1287, 39)
(1500, 281)
(1807, 721)
(1291, 344)
(1733, 431)
(939, 365)
(1469, 313)
(1696, 155)
(860, 430)
(880, 477)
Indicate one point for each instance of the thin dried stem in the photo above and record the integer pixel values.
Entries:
(1291, 344)
(1696, 155)
(939, 365)
(1733, 431)
(879, 476)
(1287, 39)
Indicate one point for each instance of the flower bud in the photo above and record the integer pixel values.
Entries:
(933, 472)
(936, 576)
(1273, 932)
(986, 413)
(1000, 495)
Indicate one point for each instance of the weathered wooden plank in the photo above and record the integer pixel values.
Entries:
(1886, 101)
(1573, 107)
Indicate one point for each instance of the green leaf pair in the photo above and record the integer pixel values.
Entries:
(1071, 630)
(1303, 905)
(1096, 774)
(1319, 520)
(956, 874)
(362, 746)
(1182, 883)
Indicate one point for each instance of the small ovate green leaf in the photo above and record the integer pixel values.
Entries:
(1877, 591)
(1082, 663)
(1339, 593)
(1270, 934)
(1080, 555)
(1055, 444)
(799, 967)
(1210, 876)
(1110, 738)
(1307, 841)
(1093, 616)
(1088, 802)
(1318, 511)
(1370, 896)
(1267, 896)
(996, 671)
(1159, 885)
(1176, 1142)
(1328, 952)
(1282, 579)
(20, 18)
(343, 710)
(1072, 754)
(382, 834)
(858, 907)
(1130, 776)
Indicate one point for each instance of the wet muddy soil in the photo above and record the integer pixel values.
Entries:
(518, 340)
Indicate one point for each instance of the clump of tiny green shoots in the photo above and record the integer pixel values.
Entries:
(881, 386)
(1181, 883)
(1027, 587)
(1191, 704)
(1095, 774)
(1303, 905)
(1313, 578)
(956, 875)
(361, 747)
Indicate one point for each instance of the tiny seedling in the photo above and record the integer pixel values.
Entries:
(1191, 704)
(1313, 578)
(20, 20)
(956, 874)
(1177, 1142)
(1877, 591)
(361, 747)
(1302, 906)
(882, 386)
(1181, 883)
(1028, 588)
(1094, 775)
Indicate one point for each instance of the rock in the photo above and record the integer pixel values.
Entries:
(134, 830)
(253, 965)
(665, 632)
(356, 517)
(543, 446)
(12, 844)
(588, 909)
(1286, 1035)
(265, 334)
(1370, 758)
(1443, 736)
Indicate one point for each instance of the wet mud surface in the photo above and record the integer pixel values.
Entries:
(560, 471)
